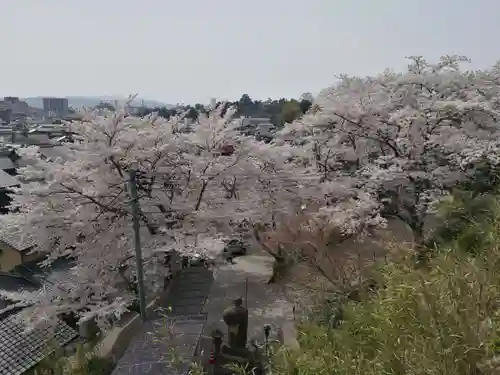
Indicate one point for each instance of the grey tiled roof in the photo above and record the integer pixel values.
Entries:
(35, 270)
(21, 350)
(16, 240)
(32, 139)
(16, 283)
(6, 180)
(6, 163)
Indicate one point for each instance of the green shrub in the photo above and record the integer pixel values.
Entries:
(464, 219)
(98, 366)
(441, 320)
(84, 362)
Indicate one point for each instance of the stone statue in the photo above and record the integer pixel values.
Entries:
(236, 318)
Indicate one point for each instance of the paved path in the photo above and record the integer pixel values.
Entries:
(176, 330)
(189, 292)
(197, 301)
(265, 302)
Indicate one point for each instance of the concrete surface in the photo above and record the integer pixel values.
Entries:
(117, 339)
(260, 268)
(246, 279)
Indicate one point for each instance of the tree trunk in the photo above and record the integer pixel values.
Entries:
(275, 254)
(422, 252)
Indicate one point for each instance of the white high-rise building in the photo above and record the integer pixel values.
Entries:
(213, 103)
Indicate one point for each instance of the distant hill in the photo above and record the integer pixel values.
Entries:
(78, 102)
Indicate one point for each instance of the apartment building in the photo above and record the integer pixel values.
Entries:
(56, 107)
(13, 110)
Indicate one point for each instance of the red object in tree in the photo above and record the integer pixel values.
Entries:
(227, 150)
(211, 358)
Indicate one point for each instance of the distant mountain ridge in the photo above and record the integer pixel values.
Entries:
(78, 102)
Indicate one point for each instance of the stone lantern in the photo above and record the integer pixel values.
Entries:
(236, 318)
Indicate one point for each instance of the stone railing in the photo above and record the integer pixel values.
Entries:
(117, 339)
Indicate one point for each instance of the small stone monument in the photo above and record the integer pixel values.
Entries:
(236, 318)
(235, 350)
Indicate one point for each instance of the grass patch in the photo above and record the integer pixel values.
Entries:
(442, 320)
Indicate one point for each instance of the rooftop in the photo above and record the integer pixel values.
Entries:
(13, 284)
(6, 163)
(16, 283)
(18, 241)
(31, 277)
(56, 152)
(34, 272)
(20, 349)
(254, 121)
(32, 139)
(6, 180)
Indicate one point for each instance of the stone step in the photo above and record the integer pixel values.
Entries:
(185, 299)
(192, 281)
(186, 310)
(188, 319)
(180, 294)
(188, 293)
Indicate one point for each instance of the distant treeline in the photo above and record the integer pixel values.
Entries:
(279, 111)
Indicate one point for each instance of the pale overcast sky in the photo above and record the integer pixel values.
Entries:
(192, 50)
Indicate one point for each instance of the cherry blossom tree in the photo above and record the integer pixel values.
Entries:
(79, 207)
(401, 139)
(290, 190)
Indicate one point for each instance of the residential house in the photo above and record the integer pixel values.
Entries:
(56, 152)
(7, 179)
(6, 182)
(249, 125)
(225, 150)
(12, 109)
(7, 165)
(16, 250)
(265, 132)
(31, 139)
(73, 117)
(22, 349)
(31, 276)
(136, 110)
(10, 283)
(34, 134)
(5, 114)
(8, 160)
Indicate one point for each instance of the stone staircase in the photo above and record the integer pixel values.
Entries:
(188, 292)
(175, 327)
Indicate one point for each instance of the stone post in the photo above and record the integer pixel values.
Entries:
(217, 338)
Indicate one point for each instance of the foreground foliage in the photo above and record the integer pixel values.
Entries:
(441, 320)
(84, 362)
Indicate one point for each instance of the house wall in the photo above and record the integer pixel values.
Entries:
(9, 258)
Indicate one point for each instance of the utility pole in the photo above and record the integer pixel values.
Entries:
(134, 203)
